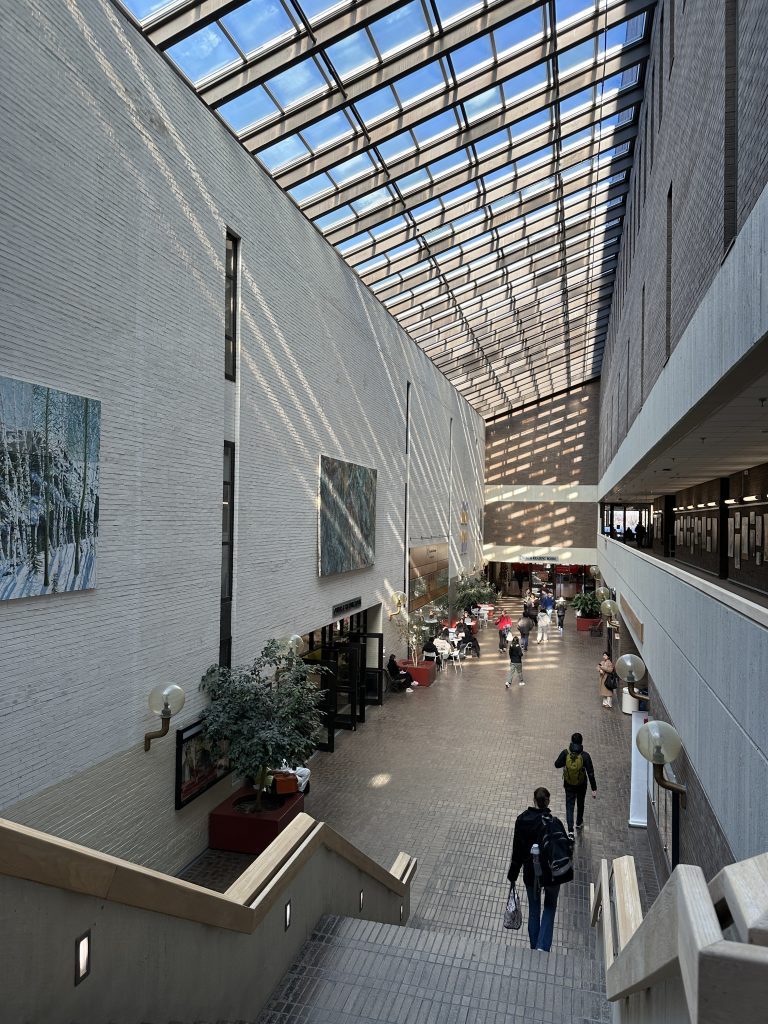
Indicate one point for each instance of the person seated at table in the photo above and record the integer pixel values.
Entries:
(430, 652)
(469, 642)
(451, 640)
(400, 679)
(443, 644)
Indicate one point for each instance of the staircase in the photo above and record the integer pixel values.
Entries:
(363, 972)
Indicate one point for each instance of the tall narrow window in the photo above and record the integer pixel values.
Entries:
(652, 103)
(668, 290)
(407, 480)
(661, 67)
(642, 344)
(731, 123)
(671, 34)
(227, 554)
(230, 313)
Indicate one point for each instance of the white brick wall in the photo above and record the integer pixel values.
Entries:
(118, 189)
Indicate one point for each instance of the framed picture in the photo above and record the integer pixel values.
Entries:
(751, 542)
(736, 559)
(737, 517)
(751, 517)
(714, 535)
(196, 767)
(759, 532)
(758, 558)
(744, 540)
(730, 538)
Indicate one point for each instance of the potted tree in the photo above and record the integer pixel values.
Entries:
(472, 589)
(260, 717)
(587, 607)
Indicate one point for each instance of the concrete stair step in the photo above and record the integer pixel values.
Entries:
(361, 971)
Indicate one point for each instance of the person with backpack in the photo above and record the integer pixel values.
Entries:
(560, 607)
(524, 626)
(577, 768)
(540, 848)
(515, 662)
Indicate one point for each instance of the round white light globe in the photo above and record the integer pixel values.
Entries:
(630, 668)
(609, 609)
(166, 692)
(594, 571)
(602, 594)
(658, 742)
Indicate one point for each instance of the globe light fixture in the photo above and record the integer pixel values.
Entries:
(660, 743)
(399, 598)
(594, 571)
(630, 668)
(165, 701)
(610, 611)
(602, 594)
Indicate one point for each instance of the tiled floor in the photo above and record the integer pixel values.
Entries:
(441, 774)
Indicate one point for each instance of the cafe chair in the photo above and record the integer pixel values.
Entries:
(455, 657)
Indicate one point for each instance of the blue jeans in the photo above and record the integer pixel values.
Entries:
(524, 641)
(541, 925)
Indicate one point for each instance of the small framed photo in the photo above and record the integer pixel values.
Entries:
(730, 538)
(196, 767)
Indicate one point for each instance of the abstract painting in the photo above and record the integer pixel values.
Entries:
(347, 516)
(49, 490)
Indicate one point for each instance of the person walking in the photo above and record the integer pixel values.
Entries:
(525, 624)
(577, 768)
(504, 625)
(515, 663)
(530, 828)
(542, 624)
(605, 673)
(560, 606)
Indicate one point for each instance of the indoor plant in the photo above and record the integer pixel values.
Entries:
(263, 715)
(587, 607)
(472, 589)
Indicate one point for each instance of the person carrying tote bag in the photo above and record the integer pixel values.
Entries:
(513, 913)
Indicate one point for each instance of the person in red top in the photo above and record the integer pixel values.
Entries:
(504, 624)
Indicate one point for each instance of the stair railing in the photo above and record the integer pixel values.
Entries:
(676, 965)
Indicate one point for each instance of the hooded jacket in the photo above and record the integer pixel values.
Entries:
(577, 748)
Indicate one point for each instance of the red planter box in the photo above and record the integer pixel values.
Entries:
(230, 829)
(583, 624)
(424, 673)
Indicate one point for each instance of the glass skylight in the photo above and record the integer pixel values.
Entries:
(434, 145)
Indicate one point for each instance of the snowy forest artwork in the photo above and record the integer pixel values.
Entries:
(49, 490)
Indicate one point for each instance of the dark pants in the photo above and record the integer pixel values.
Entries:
(575, 795)
(541, 924)
(502, 639)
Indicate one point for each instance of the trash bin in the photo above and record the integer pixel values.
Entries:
(628, 703)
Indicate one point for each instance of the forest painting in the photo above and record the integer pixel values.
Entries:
(347, 523)
(49, 490)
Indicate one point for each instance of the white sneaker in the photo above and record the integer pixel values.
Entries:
(507, 685)
(521, 683)
(408, 689)
(414, 683)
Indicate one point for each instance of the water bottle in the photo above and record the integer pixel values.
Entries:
(536, 860)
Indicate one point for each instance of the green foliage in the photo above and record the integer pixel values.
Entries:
(408, 630)
(263, 715)
(587, 605)
(472, 589)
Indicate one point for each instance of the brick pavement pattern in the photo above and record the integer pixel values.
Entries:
(442, 774)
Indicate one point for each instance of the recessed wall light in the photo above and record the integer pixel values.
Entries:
(751, 497)
(287, 915)
(730, 501)
(711, 504)
(82, 957)
(361, 901)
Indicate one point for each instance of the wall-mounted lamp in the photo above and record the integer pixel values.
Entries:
(610, 611)
(689, 506)
(630, 668)
(660, 744)
(731, 501)
(164, 701)
(751, 497)
(399, 598)
(594, 571)
(602, 594)
(292, 644)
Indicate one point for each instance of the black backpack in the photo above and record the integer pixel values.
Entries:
(555, 849)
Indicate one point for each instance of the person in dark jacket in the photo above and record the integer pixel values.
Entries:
(577, 768)
(541, 922)
(515, 663)
(525, 625)
(400, 680)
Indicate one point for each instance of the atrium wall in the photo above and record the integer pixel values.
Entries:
(686, 339)
(541, 481)
(119, 189)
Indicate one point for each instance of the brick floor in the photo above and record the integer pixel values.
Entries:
(442, 773)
